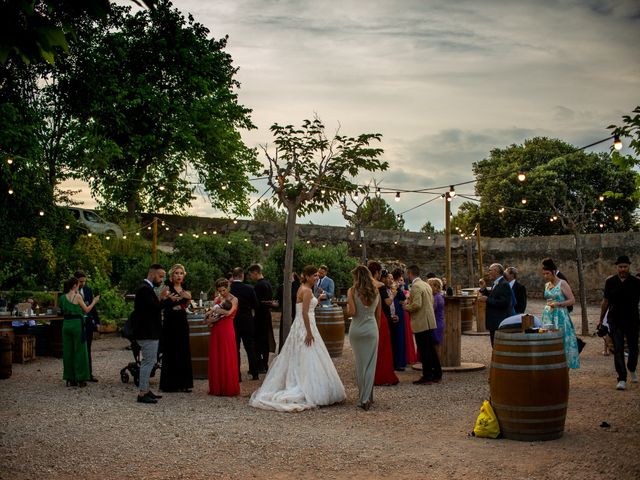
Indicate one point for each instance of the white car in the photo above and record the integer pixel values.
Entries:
(95, 223)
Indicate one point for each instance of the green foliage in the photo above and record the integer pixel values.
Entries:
(631, 129)
(265, 212)
(90, 255)
(562, 182)
(377, 213)
(112, 305)
(335, 257)
(429, 228)
(32, 264)
(156, 96)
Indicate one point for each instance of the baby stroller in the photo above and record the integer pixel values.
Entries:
(133, 368)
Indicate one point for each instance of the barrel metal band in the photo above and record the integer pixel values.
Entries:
(556, 341)
(529, 354)
(200, 358)
(515, 420)
(537, 408)
(550, 366)
(199, 334)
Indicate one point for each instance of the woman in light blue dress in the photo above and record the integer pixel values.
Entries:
(559, 296)
(363, 305)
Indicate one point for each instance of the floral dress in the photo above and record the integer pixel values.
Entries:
(559, 317)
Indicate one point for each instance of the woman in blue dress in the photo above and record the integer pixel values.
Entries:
(559, 296)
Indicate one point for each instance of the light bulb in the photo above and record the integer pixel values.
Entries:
(452, 192)
(397, 196)
(42, 213)
(617, 144)
(522, 177)
(524, 201)
(601, 198)
(11, 191)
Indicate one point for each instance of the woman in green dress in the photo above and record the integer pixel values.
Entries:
(363, 304)
(74, 345)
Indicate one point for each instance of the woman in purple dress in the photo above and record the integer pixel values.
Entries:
(438, 308)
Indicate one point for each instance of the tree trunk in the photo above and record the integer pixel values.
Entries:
(292, 213)
(581, 286)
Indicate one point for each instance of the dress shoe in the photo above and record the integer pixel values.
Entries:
(186, 390)
(153, 395)
(93, 379)
(255, 377)
(423, 381)
(146, 399)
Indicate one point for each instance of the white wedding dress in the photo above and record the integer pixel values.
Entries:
(301, 376)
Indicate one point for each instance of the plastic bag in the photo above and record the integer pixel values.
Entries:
(487, 423)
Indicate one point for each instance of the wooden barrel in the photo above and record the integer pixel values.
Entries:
(330, 323)
(6, 330)
(199, 333)
(5, 357)
(529, 385)
(466, 313)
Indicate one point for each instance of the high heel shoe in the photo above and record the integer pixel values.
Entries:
(82, 383)
(72, 383)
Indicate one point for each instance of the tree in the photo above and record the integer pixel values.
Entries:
(265, 212)
(377, 213)
(502, 212)
(429, 228)
(157, 98)
(304, 162)
(37, 30)
(630, 129)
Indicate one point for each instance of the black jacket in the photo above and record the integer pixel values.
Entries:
(147, 314)
(498, 304)
(520, 292)
(247, 304)
(87, 296)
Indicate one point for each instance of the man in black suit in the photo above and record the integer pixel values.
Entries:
(147, 326)
(265, 342)
(518, 289)
(92, 320)
(498, 301)
(243, 322)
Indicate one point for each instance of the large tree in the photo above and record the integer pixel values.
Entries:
(158, 100)
(265, 212)
(310, 171)
(502, 212)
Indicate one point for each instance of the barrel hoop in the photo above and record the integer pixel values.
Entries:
(199, 334)
(529, 354)
(555, 341)
(532, 430)
(200, 358)
(551, 366)
(537, 408)
(502, 418)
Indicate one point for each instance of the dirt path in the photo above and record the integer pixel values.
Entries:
(50, 431)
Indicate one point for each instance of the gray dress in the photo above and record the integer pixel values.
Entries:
(363, 336)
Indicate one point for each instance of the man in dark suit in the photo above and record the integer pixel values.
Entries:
(265, 342)
(92, 320)
(498, 301)
(147, 326)
(519, 290)
(244, 322)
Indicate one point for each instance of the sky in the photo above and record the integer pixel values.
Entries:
(443, 81)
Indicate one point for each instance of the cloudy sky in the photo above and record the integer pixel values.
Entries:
(443, 81)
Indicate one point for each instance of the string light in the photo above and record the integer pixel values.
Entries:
(522, 177)
(616, 217)
(524, 201)
(235, 222)
(601, 198)
(42, 213)
(223, 187)
(9, 160)
(11, 191)
(124, 237)
(266, 244)
(356, 196)
(617, 144)
(107, 237)
(67, 227)
(452, 192)
(501, 210)
(378, 192)
(161, 188)
(138, 234)
(323, 191)
(397, 196)
(89, 234)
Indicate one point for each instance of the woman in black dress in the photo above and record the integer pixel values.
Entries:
(176, 374)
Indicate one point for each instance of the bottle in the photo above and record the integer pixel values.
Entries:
(201, 303)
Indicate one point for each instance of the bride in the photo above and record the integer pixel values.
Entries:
(302, 376)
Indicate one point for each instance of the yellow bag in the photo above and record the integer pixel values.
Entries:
(487, 423)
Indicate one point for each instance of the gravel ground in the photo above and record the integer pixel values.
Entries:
(50, 431)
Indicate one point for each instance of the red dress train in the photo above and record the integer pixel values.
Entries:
(223, 359)
(385, 375)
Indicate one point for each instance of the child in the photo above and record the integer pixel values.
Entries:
(214, 314)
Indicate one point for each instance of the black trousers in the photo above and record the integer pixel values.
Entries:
(246, 335)
(618, 334)
(431, 369)
(89, 334)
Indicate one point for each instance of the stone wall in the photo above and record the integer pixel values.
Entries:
(428, 251)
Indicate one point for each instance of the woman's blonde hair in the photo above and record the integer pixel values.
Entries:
(173, 269)
(435, 282)
(363, 284)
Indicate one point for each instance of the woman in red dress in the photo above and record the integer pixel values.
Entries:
(223, 354)
(385, 374)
